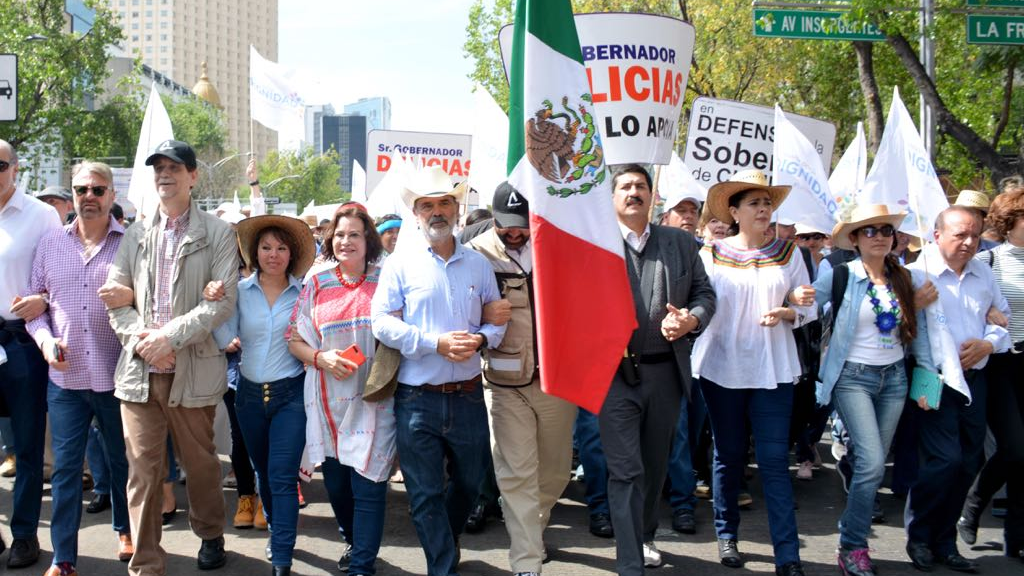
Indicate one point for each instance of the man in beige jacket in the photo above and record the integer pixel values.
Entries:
(171, 374)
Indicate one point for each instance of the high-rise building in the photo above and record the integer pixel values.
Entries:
(313, 136)
(175, 37)
(377, 111)
(347, 135)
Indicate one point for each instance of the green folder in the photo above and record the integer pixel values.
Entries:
(928, 384)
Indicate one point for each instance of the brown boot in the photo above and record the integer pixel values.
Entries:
(259, 521)
(246, 511)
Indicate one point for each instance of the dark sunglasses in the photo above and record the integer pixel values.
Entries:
(4, 166)
(871, 231)
(815, 236)
(97, 191)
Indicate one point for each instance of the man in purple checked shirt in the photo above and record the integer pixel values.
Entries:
(76, 339)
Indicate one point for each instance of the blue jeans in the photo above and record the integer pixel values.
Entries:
(869, 400)
(595, 468)
(99, 465)
(768, 412)
(359, 506)
(23, 384)
(681, 478)
(71, 414)
(272, 417)
(7, 436)
(433, 427)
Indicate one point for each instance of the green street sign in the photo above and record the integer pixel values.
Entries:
(812, 25)
(996, 3)
(988, 29)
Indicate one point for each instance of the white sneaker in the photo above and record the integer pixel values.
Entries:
(526, 574)
(804, 471)
(652, 558)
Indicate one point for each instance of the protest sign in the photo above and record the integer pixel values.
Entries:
(449, 151)
(637, 66)
(725, 137)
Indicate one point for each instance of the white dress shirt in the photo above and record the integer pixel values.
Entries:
(23, 222)
(637, 242)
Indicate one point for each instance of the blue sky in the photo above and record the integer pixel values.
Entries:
(407, 50)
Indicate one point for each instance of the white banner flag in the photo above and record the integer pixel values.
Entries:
(798, 164)
(848, 177)
(156, 128)
(278, 94)
(358, 182)
(489, 148)
(676, 183)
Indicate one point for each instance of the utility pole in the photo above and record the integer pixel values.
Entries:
(927, 19)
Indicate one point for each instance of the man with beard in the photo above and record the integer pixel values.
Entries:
(429, 305)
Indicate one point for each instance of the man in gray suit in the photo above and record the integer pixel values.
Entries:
(674, 300)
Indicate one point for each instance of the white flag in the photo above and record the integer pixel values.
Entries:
(310, 208)
(358, 183)
(797, 164)
(676, 183)
(278, 95)
(237, 203)
(940, 340)
(489, 149)
(902, 175)
(156, 128)
(386, 197)
(848, 177)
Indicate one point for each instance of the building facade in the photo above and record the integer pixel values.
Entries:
(346, 134)
(377, 111)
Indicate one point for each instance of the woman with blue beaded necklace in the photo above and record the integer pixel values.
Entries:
(863, 370)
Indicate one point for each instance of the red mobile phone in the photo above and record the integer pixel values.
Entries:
(57, 352)
(354, 354)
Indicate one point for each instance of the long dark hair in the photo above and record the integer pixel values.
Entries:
(903, 286)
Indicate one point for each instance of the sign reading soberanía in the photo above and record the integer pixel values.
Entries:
(812, 25)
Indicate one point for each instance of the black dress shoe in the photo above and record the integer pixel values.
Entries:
(281, 571)
(684, 521)
(168, 517)
(24, 552)
(601, 526)
(729, 554)
(477, 519)
(957, 562)
(968, 531)
(212, 554)
(790, 569)
(99, 503)
(921, 556)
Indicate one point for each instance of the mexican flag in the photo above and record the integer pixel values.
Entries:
(584, 306)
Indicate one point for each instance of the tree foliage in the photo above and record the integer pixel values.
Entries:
(318, 176)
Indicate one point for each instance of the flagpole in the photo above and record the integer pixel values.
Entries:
(654, 192)
(252, 135)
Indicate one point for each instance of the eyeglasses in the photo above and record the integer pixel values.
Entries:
(815, 236)
(4, 166)
(97, 191)
(871, 231)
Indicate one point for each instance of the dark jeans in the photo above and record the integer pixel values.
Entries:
(71, 414)
(681, 477)
(99, 464)
(951, 444)
(240, 463)
(768, 413)
(272, 417)
(23, 383)
(433, 427)
(591, 454)
(359, 506)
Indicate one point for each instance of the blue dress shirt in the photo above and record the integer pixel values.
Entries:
(434, 296)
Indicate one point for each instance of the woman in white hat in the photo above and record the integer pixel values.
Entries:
(747, 359)
(863, 372)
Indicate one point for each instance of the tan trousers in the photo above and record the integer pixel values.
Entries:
(146, 426)
(531, 435)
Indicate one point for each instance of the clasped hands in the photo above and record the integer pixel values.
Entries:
(678, 323)
(458, 346)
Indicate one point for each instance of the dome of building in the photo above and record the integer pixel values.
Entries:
(204, 89)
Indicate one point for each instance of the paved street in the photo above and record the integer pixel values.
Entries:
(573, 551)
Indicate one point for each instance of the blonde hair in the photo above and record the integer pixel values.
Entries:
(98, 168)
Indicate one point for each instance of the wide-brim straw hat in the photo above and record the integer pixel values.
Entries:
(249, 231)
(719, 194)
(973, 199)
(432, 182)
(861, 216)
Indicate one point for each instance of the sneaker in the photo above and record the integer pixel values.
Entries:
(805, 471)
(9, 468)
(838, 450)
(652, 558)
(526, 574)
(744, 500)
(230, 481)
(703, 491)
(246, 512)
(259, 521)
(855, 562)
(346, 558)
(845, 471)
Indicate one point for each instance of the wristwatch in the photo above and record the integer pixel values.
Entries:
(482, 344)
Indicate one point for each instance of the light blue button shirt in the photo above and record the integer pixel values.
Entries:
(260, 328)
(966, 300)
(434, 296)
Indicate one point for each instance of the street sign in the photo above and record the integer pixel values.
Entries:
(991, 29)
(812, 25)
(271, 200)
(8, 87)
(996, 3)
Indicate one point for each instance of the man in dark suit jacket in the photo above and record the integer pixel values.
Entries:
(674, 300)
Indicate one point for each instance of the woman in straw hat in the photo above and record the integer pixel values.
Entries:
(747, 359)
(269, 399)
(354, 439)
(863, 372)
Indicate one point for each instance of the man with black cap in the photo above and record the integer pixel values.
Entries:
(171, 374)
(60, 198)
(531, 431)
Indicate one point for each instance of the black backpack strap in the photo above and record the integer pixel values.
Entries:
(840, 277)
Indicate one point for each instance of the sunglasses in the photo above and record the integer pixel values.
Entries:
(97, 191)
(4, 166)
(815, 236)
(871, 231)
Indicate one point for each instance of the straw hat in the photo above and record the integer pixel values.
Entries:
(973, 199)
(249, 231)
(432, 182)
(866, 215)
(719, 194)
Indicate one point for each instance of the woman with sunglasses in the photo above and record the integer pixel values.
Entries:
(863, 371)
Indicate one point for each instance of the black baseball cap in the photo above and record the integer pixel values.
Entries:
(510, 207)
(176, 150)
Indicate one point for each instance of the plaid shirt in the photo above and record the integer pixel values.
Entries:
(76, 314)
(172, 231)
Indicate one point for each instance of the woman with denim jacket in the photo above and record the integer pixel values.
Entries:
(863, 371)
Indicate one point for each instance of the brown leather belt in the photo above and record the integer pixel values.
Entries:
(452, 387)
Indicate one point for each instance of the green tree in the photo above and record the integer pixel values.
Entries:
(302, 176)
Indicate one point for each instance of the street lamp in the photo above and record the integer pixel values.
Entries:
(277, 181)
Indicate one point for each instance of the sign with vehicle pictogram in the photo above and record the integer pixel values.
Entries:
(8, 87)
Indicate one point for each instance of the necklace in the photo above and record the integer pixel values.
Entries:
(885, 320)
(349, 283)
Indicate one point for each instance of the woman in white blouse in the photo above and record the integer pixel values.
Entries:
(748, 362)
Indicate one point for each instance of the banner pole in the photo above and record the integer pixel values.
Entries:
(654, 192)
